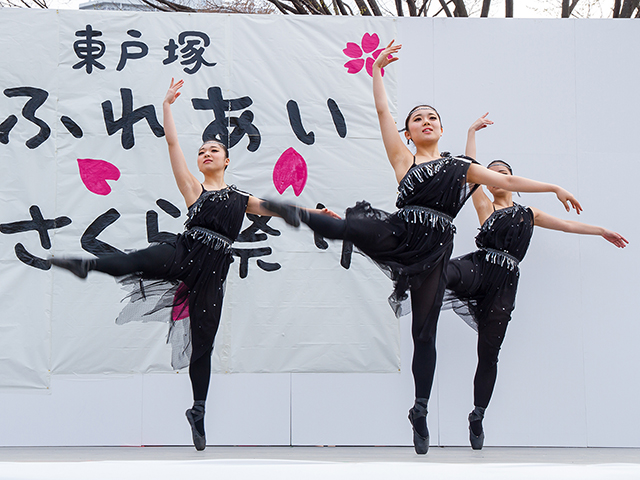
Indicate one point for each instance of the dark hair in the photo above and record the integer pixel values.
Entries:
(417, 107)
(222, 144)
(500, 162)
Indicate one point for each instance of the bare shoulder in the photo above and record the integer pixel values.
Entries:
(402, 164)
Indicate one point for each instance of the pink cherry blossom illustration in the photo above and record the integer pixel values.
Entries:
(368, 44)
(290, 170)
(95, 173)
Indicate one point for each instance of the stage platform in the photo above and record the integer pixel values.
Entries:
(310, 463)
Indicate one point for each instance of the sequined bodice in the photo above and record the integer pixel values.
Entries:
(440, 185)
(508, 230)
(221, 211)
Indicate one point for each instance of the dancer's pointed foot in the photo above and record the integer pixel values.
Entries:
(476, 432)
(418, 419)
(79, 267)
(290, 213)
(195, 417)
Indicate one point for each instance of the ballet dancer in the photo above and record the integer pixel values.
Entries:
(415, 243)
(199, 258)
(482, 285)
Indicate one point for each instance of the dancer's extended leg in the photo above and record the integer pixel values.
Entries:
(326, 226)
(152, 261)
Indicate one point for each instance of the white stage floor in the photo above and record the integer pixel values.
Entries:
(311, 463)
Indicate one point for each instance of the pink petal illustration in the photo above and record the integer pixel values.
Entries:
(378, 52)
(353, 50)
(95, 173)
(290, 170)
(354, 66)
(370, 42)
(180, 310)
(370, 62)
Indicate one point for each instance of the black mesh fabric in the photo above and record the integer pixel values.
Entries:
(485, 281)
(416, 241)
(188, 293)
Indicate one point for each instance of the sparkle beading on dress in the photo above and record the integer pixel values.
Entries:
(513, 210)
(419, 174)
(498, 257)
(210, 238)
(418, 214)
(222, 194)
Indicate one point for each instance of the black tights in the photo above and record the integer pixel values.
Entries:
(424, 351)
(154, 262)
(327, 226)
(491, 332)
(200, 375)
(422, 301)
(490, 337)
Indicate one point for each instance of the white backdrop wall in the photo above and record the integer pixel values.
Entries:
(561, 94)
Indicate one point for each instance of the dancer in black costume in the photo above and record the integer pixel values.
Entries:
(414, 243)
(481, 286)
(199, 258)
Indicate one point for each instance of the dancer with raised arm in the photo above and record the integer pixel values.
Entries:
(414, 243)
(482, 285)
(199, 258)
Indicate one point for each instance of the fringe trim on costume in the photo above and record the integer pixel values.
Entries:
(513, 210)
(498, 257)
(207, 195)
(417, 214)
(210, 238)
(419, 174)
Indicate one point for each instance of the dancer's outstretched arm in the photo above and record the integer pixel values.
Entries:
(399, 155)
(254, 206)
(479, 174)
(188, 184)
(544, 220)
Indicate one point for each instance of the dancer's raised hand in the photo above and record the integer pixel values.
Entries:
(386, 56)
(479, 124)
(173, 93)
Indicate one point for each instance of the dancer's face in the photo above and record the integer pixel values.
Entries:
(499, 168)
(424, 126)
(212, 156)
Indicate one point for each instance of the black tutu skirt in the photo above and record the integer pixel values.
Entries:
(188, 294)
(408, 245)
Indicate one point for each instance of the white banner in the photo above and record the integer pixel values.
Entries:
(85, 171)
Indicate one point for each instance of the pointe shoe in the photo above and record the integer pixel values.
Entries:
(477, 441)
(289, 213)
(420, 442)
(79, 267)
(194, 415)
